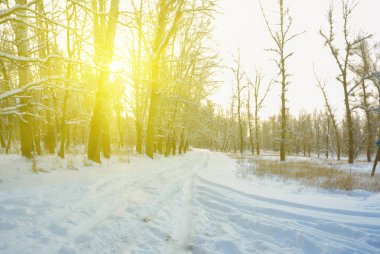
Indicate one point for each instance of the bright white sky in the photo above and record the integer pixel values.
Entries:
(241, 24)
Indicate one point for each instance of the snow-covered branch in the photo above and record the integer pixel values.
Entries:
(10, 11)
(11, 109)
(27, 87)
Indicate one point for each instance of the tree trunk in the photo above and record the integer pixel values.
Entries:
(120, 129)
(61, 152)
(318, 135)
(138, 137)
(153, 110)
(257, 132)
(283, 120)
(375, 162)
(43, 41)
(327, 138)
(96, 124)
(9, 141)
(349, 124)
(2, 139)
(104, 37)
(368, 122)
(250, 123)
(105, 137)
(21, 33)
(182, 142)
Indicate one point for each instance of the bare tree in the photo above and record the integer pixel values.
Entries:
(249, 120)
(137, 69)
(342, 59)
(259, 97)
(322, 86)
(363, 70)
(282, 36)
(239, 74)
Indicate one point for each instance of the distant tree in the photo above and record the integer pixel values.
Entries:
(259, 96)
(331, 113)
(239, 75)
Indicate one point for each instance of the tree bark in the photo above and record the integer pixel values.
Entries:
(104, 37)
(368, 122)
(26, 133)
(349, 123)
(153, 110)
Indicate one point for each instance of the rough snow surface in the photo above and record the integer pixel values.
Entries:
(193, 203)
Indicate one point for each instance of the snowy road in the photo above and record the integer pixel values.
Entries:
(186, 204)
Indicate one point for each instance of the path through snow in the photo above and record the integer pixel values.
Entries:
(187, 204)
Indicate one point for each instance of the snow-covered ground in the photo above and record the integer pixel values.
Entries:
(193, 203)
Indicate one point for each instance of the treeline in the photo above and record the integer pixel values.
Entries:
(105, 74)
(60, 86)
(308, 134)
(322, 133)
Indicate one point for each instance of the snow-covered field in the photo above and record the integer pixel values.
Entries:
(193, 203)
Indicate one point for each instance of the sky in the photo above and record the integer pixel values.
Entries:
(240, 24)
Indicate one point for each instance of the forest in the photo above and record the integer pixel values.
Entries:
(100, 76)
(189, 126)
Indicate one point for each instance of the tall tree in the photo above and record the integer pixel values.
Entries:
(164, 32)
(343, 59)
(282, 36)
(363, 70)
(21, 35)
(104, 40)
(137, 75)
(44, 71)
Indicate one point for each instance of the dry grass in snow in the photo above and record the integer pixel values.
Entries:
(309, 174)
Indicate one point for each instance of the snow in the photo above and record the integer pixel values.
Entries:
(194, 203)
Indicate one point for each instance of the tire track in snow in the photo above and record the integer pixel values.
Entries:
(184, 219)
(177, 208)
(114, 190)
(248, 218)
(176, 186)
(296, 205)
